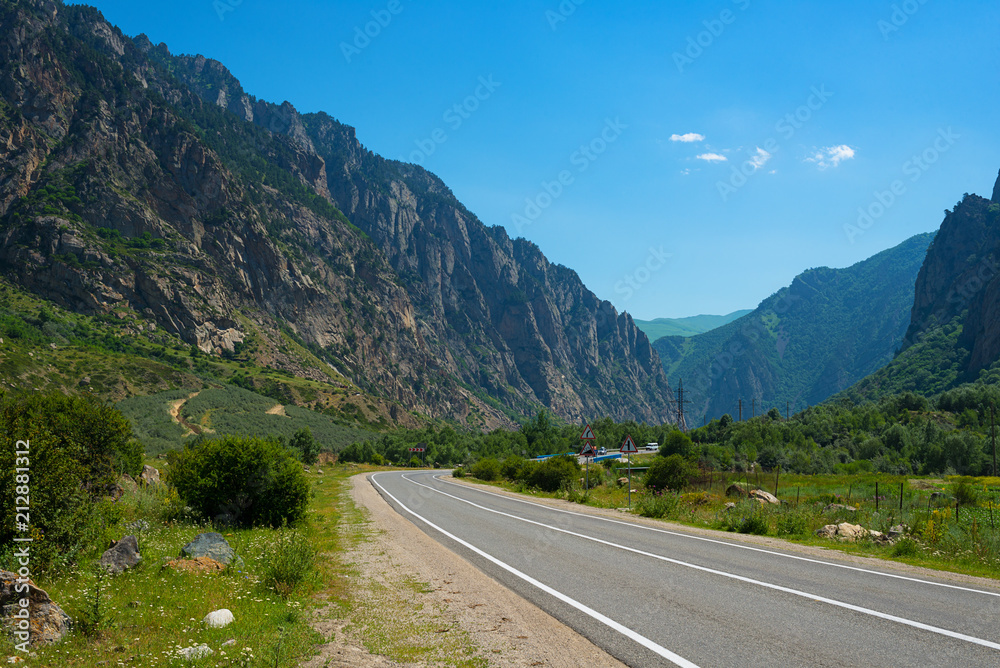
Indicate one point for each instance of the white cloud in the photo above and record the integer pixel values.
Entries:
(689, 137)
(712, 157)
(831, 156)
(685, 172)
(760, 158)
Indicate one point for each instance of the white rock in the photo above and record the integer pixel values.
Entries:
(219, 618)
(195, 652)
(231, 641)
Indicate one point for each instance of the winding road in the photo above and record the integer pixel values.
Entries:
(654, 596)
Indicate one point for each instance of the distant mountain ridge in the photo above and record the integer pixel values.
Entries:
(806, 342)
(689, 326)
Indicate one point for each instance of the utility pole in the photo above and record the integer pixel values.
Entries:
(741, 411)
(680, 405)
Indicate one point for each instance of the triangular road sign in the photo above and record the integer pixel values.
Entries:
(588, 450)
(628, 447)
(588, 434)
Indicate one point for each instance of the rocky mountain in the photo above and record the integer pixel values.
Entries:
(152, 188)
(818, 336)
(954, 331)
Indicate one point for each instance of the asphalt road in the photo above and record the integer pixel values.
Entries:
(674, 598)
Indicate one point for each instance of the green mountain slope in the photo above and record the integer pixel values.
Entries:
(695, 324)
(818, 336)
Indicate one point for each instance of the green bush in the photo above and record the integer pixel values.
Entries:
(77, 446)
(513, 468)
(555, 473)
(755, 524)
(966, 494)
(792, 523)
(288, 562)
(486, 469)
(906, 547)
(671, 472)
(240, 481)
(658, 505)
(303, 441)
(458, 472)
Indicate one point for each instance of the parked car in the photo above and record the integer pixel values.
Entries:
(602, 451)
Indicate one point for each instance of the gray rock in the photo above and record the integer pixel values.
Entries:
(736, 490)
(195, 652)
(138, 526)
(122, 555)
(213, 546)
(47, 622)
(149, 476)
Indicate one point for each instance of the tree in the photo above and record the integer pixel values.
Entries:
(677, 443)
(671, 472)
(306, 444)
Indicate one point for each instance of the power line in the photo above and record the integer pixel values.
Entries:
(681, 422)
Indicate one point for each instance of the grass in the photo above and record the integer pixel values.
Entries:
(291, 576)
(934, 537)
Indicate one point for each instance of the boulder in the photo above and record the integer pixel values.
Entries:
(122, 555)
(730, 505)
(838, 506)
(46, 622)
(219, 618)
(211, 545)
(845, 531)
(736, 490)
(149, 476)
(622, 481)
(766, 497)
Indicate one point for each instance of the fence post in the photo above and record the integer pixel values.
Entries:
(876, 496)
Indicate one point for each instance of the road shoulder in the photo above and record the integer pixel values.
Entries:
(508, 630)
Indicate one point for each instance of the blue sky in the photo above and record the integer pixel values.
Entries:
(682, 157)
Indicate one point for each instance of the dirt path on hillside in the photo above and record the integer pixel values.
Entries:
(277, 409)
(504, 628)
(174, 408)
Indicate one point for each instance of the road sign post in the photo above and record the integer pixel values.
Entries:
(588, 450)
(628, 447)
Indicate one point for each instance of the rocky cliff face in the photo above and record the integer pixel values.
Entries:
(960, 280)
(130, 178)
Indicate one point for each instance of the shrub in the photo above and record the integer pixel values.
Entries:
(906, 547)
(555, 473)
(659, 505)
(755, 523)
(792, 523)
(486, 469)
(288, 562)
(966, 494)
(458, 472)
(241, 481)
(76, 446)
(671, 472)
(513, 468)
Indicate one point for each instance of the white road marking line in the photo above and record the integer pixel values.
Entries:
(625, 631)
(733, 576)
(726, 543)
